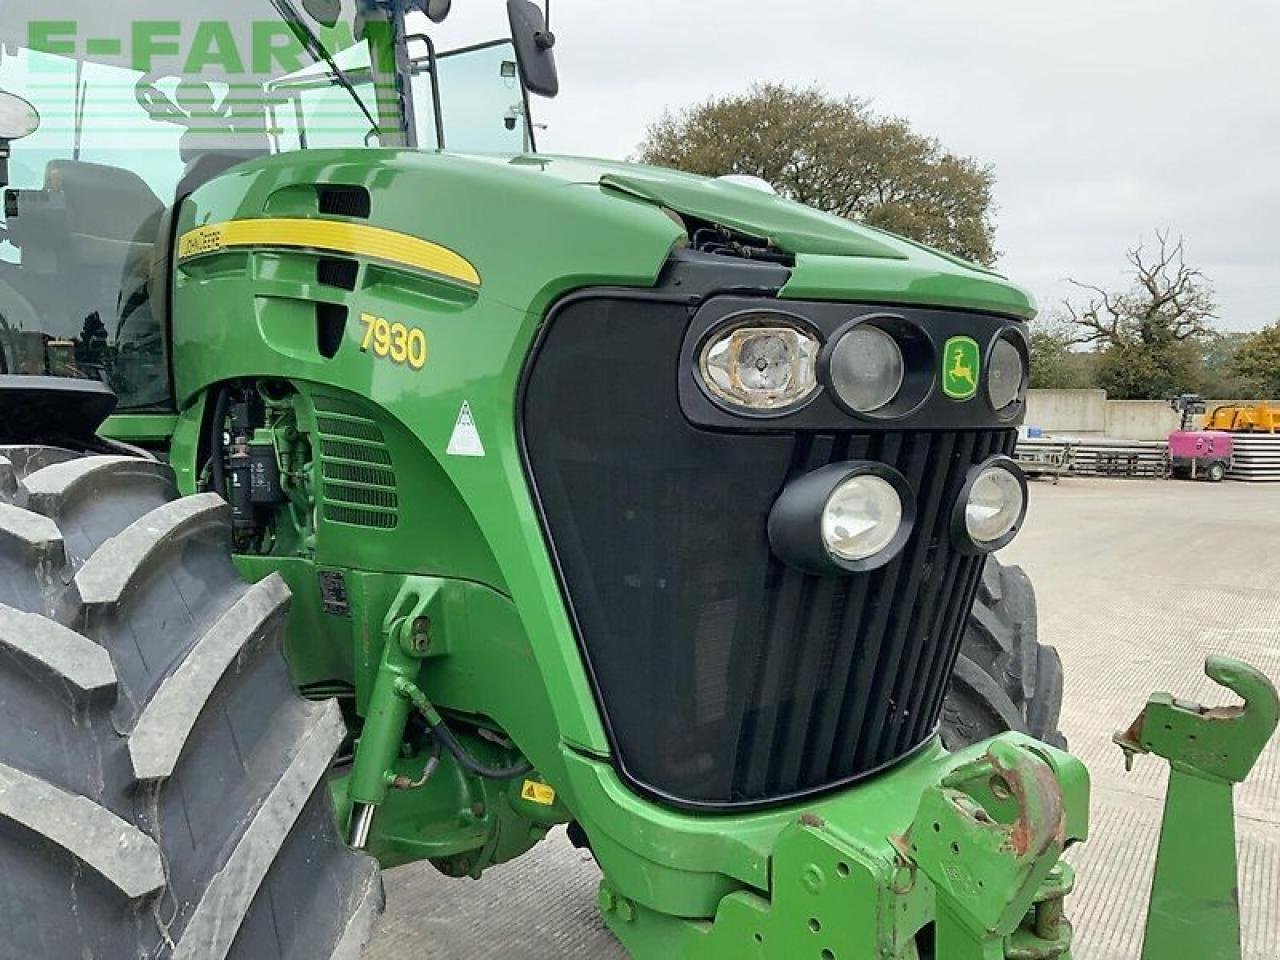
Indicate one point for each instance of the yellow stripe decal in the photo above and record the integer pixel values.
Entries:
(330, 236)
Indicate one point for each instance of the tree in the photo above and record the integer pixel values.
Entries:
(1139, 372)
(1148, 335)
(1219, 379)
(835, 154)
(1257, 363)
(1054, 365)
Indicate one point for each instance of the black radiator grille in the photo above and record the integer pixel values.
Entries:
(727, 678)
(849, 673)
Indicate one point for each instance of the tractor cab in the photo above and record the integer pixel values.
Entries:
(111, 114)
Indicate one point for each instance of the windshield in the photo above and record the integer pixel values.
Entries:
(142, 101)
(139, 103)
(483, 107)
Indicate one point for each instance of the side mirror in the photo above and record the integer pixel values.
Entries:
(327, 13)
(534, 45)
(18, 118)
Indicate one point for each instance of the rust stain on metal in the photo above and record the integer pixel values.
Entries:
(1022, 835)
(903, 845)
(1223, 713)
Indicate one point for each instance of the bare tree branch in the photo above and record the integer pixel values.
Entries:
(1168, 301)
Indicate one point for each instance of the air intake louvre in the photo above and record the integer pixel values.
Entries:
(344, 201)
(358, 479)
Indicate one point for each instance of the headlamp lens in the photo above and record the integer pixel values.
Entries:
(861, 518)
(867, 369)
(996, 502)
(761, 368)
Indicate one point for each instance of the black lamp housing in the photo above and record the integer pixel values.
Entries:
(795, 522)
(960, 529)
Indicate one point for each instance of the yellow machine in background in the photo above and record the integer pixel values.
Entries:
(1262, 418)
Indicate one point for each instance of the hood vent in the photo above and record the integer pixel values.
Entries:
(358, 480)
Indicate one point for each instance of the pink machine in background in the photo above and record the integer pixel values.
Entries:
(1198, 454)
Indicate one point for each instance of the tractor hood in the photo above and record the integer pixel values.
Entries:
(835, 258)
(532, 228)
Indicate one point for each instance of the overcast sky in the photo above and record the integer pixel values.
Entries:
(1105, 119)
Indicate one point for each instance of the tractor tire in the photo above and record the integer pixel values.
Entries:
(1004, 678)
(163, 788)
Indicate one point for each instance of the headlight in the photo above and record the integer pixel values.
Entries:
(862, 516)
(992, 506)
(846, 517)
(1007, 375)
(866, 369)
(759, 366)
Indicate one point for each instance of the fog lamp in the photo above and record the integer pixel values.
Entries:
(861, 518)
(991, 508)
(846, 517)
(761, 366)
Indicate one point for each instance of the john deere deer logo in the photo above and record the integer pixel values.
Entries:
(960, 366)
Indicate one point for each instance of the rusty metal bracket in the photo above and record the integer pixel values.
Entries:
(1195, 908)
(989, 836)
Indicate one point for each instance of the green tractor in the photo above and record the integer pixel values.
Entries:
(572, 493)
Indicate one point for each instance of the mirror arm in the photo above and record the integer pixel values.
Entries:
(544, 37)
(432, 66)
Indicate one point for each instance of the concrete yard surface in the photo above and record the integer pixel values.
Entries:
(1137, 582)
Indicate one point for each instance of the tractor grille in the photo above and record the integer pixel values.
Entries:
(358, 479)
(728, 679)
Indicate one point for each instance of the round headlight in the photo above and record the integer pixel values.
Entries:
(861, 518)
(760, 368)
(1007, 376)
(866, 369)
(843, 518)
(993, 505)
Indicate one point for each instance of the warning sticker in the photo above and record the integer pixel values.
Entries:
(539, 793)
(465, 441)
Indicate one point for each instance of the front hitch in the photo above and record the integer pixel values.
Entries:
(990, 836)
(1195, 903)
(976, 872)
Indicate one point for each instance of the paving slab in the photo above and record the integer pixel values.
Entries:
(1137, 582)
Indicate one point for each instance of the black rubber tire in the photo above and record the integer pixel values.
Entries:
(1004, 678)
(1217, 472)
(163, 788)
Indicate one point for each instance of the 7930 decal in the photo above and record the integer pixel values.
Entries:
(394, 341)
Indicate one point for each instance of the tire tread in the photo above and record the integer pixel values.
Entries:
(1004, 678)
(177, 798)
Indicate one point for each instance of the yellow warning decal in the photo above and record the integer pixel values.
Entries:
(330, 236)
(539, 793)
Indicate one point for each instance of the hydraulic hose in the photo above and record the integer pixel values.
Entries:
(428, 770)
(217, 468)
(440, 730)
(442, 733)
